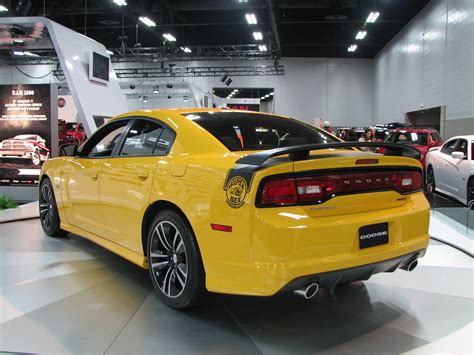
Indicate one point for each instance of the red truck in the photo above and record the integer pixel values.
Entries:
(76, 133)
(25, 146)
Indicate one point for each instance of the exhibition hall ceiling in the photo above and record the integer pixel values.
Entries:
(230, 29)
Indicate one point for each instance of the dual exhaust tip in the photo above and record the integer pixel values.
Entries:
(312, 289)
(307, 292)
(411, 265)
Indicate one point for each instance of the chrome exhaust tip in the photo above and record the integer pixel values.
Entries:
(411, 265)
(308, 292)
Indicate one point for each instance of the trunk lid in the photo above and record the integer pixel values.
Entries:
(360, 177)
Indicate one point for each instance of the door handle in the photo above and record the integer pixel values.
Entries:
(142, 175)
(94, 176)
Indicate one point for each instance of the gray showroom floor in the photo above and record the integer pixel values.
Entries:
(71, 296)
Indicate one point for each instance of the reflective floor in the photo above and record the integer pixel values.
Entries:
(71, 296)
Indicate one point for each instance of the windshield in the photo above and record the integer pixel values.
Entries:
(72, 125)
(240, 131)
(415, 138)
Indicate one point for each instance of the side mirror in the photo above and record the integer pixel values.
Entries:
(68, 150)
(458, 155)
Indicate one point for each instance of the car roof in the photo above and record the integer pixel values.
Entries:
(468, 137)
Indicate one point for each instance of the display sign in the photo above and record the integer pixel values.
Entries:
(99, 68)
(25, 132)
(244, 107)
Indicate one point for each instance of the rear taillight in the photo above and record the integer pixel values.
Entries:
(280, 192)
(317, 189)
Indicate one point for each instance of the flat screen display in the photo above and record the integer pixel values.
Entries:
(99, 68)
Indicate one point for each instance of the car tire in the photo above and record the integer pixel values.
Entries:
(174, 261)
(430, 180)
(49, 215)
(36, 158)
(470, 192)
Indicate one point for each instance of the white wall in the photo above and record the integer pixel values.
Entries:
(430, 63)
(338, 90)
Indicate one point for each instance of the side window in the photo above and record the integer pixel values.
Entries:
(103, 142)
(142, 138)
(81, 128)
(449, 146)
(165, 142)
(461, 146)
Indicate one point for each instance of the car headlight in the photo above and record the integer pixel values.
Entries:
(29, 146)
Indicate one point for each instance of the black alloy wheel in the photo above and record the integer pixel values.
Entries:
(49, 215)
(174, 261)
(470, 192)
(430, 180)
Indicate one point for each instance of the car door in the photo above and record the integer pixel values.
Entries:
(442, 164)
(127, 178)
(457, 179)
(81, 178)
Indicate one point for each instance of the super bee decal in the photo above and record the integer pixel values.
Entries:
(236, 190)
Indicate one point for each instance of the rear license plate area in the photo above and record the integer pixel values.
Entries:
(373, 235)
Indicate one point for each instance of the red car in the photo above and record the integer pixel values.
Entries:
(25, 146)
(62, 132)
(76, 133)
(420, 138)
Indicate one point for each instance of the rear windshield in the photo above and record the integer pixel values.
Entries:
(415, 138)
(240, 131)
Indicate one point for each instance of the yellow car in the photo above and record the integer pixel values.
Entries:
(238, 202)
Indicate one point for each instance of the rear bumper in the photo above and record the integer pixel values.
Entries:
(331, 279)
(279, 246)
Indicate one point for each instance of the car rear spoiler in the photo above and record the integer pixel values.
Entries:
(301, 152)
(247, 166)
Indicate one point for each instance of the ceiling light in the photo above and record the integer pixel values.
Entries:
(18, 41)
(3, 8)
(120, 2)
(373, 16)
(185, 49)
(262, 98)
(110, 52)
(271, 94)
(267, 95)
(361, 34)
(169, 37)
(352, 48)
(147, 21)
(251, 19)
(243, 1)
(258, 36)
(262, 48)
